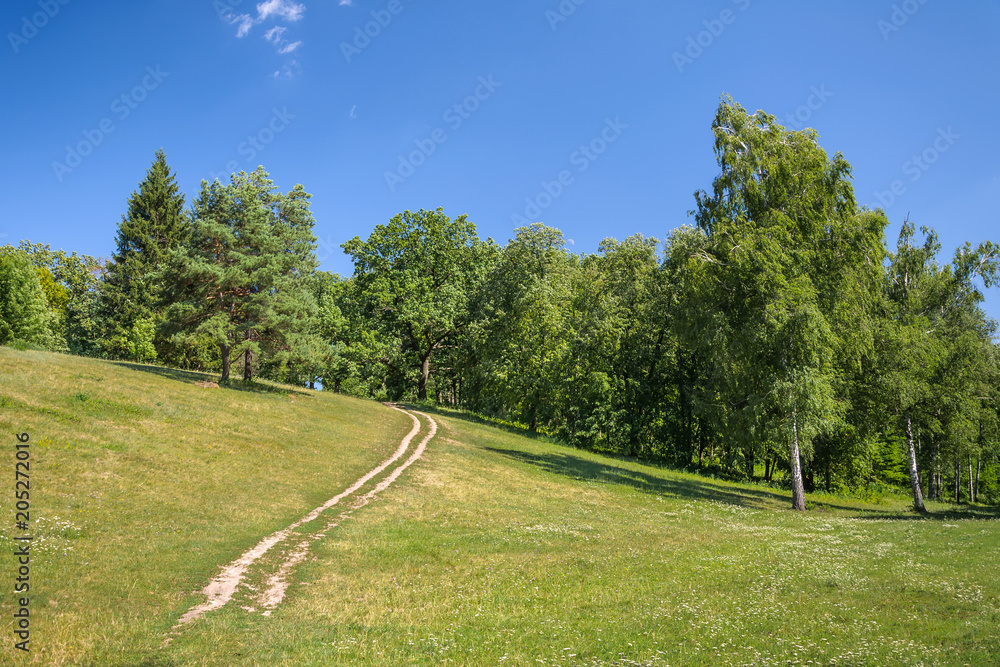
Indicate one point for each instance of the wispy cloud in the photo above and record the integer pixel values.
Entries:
(274, 34)
(245, 22)
(286, 9)
(289, 10)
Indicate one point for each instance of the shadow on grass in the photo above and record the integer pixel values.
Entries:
(191, 377)
(957, 513)
(473, 418)
(576, 467)
(579, 468)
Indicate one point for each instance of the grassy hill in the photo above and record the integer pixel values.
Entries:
(492, 549)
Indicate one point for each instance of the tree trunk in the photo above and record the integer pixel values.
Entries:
(247, 366)
(224, 351)
(918, 496)
(933, 491)
(979, 470)
(958, 480)
(425, 374)
(927, 494)
(798, 491)
(972, 493)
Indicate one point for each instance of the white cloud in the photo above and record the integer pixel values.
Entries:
(274, 34)
(346, 2)
(286, 9)
(355, 107)
(245, 22)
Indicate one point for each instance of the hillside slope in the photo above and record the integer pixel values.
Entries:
(505, 550)
(143, 484)
(492, 548)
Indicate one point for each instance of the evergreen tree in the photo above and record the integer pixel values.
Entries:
(131, 301)
(244, 278)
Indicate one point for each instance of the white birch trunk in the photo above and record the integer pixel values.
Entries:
(918, 496)
(798, 489)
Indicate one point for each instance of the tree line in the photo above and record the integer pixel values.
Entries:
(776, 338)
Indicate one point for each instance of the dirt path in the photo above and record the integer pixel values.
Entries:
(278, 582)
(223, 586)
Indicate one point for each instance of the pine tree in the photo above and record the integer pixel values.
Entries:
(131, 301)
(244, 278)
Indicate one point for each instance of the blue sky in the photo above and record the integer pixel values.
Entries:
(589, 115)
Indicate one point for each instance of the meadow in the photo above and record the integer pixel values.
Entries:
(493, 548)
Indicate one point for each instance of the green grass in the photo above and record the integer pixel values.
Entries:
(492, 549)
(143, 484)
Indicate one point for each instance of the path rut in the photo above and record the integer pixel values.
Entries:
(222, 587)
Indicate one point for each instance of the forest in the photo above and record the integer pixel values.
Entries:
(778, 338)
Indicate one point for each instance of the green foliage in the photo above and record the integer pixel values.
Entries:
(140, 340)
(243, 280)
(26, 316)
(412, 280)
(154, 225)
(517, 343)
(70, 285)
(783, 239)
